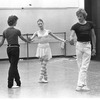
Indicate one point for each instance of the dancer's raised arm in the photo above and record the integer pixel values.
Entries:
(32, 37)
(22, 38)
(56, 37)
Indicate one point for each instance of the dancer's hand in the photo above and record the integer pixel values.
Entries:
(71, 42)
(29, 39)
(66, 41)
(93, 52)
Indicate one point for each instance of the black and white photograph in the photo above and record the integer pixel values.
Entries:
(49, 49)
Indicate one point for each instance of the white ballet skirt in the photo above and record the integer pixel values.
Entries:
(44, 50)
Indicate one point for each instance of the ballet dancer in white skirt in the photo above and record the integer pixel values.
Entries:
(43, 49)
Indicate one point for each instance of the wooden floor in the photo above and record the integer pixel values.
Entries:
(62, 77)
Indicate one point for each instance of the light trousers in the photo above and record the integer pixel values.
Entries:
(83, 54)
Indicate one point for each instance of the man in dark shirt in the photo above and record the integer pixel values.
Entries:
(84, 31)
(11, 34)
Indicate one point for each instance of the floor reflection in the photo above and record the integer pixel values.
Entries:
(62, 77)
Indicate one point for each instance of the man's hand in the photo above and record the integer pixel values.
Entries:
(93, 52)
(71, 42)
